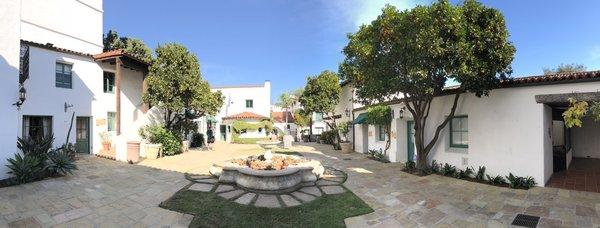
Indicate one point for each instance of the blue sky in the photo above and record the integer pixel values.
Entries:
(248, 42)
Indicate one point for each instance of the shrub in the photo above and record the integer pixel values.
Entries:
(239, 140)
(435, 167)
(520, 182)
(409, 165)
(496, 180)
(480, 173)
(378, 155)
(461, 174)
(171, 144)
(61, 162)
(197, 140)
(26, 168)
(38, 148)
(328, 137)
(448, 170)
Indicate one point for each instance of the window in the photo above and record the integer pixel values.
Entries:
(249, 103)
(380, 133)
(64, 77)
(318, 117)
(318, 130)
(459, 132)
(37, 127)
(110, 121)
(109, 82)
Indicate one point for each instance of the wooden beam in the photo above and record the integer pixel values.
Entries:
(118, 94)
(563, 98)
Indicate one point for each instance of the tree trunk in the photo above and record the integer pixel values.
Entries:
(420, 111)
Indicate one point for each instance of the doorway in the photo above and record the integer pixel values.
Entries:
(410, 140)
(82, 135)
(223, 131)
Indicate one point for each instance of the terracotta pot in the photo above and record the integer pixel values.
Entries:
(106, 146)
(346, 147)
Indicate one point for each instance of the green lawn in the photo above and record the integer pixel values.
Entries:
(210, 210)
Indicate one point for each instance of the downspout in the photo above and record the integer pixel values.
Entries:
(353, 128)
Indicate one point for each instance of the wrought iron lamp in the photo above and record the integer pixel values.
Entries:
(22, 97)
(401, 113)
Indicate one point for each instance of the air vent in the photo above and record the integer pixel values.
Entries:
(347, 159)
(526, 221)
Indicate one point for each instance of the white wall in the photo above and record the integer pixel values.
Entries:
(44, 98)
(70, 24)
(585, 139)
(9, 79)
(508, 131)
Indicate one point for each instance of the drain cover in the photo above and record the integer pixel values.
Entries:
(526, 221)
(347, 159)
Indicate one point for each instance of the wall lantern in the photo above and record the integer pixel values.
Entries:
(347, 112)
(402, 112)
(22, 93)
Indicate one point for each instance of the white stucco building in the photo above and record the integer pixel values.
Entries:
(57, 45)
(517, 129)
(247, 103)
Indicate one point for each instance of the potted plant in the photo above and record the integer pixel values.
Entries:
(151, 146)
(106, 143)
(345, 143)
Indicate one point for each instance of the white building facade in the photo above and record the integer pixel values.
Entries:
(246, 103)
(58, 47)
(513, 130)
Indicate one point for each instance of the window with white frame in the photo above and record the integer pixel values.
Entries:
(109, 82)
(110, 119)
(459, 132)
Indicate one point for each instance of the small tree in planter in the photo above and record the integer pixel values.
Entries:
(381, 115)
(344, 129)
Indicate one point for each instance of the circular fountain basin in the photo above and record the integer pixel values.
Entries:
(270, 181)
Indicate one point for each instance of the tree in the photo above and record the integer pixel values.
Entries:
(321, 94)
(133, 46)
(175, 84)
(565, 68)
(286, 101)
(410, 55)
(381, 115)
(579, 109)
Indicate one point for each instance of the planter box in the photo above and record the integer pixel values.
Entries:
(346, 147)
(185, 146)
(153, 150)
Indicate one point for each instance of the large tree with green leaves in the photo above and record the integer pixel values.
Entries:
(412, 54)
(133, 46)
(321, 95)
(565, 68)
(176, 85)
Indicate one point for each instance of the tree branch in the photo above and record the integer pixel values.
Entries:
(441, 126)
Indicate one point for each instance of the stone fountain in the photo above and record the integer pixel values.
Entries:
(269, 173)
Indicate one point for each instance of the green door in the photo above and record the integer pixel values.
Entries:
(410, 140)
(223, 131)
(82, 131)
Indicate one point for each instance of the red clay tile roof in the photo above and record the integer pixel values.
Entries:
(118, 53)
(279, 117)
(553, 78)
(245, 115)
(50, 46)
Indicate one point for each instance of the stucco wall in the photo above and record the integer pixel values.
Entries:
(70, 24)
(585, 139)
(508, 131)
(9, 79)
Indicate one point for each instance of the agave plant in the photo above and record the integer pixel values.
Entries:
(448, 170)
(25, 168)
(496, 180)
(480, 173)
(38, 148)
(61, 162)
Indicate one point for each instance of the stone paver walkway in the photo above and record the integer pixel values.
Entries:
(102, 193)
(404, 200)
(329, 184)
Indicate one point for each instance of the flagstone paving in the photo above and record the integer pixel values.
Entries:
(207, 183)
(102, 193)
(404, 200)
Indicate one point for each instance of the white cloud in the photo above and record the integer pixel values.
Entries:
(358, 12)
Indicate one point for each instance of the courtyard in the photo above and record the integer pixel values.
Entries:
(107, 193)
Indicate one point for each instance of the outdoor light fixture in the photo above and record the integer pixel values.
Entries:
(402, 112)
(22, 93)
(347, 112)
